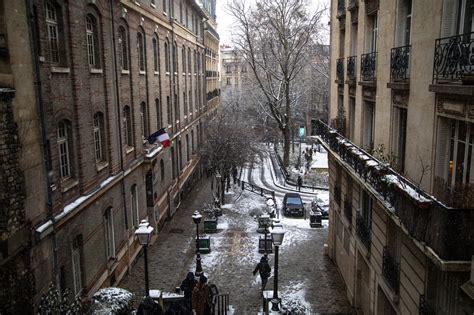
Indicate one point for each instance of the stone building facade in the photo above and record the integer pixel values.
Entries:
(211, 42)
(108, 74)
(400, 154)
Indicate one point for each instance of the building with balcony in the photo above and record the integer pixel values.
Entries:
(400, 144)
(83, 85)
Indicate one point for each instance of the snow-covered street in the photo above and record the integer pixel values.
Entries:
(306, 276)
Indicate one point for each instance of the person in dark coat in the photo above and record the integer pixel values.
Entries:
(187, 286)
(264, 269)
(300, 182)
(149, 307)
(201, 297)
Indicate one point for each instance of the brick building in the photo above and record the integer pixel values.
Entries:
(400, 154)
(108, 74)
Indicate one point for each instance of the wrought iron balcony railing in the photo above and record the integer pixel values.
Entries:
(363, 232)
(368, 65)
(348, 210)
(391, 270)
(400, 64)
(340, 69)
(454, 59)
(351, 67)
(447, 231)
(341, 8)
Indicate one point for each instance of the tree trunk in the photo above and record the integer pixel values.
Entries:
(286, 147)
(222, 191)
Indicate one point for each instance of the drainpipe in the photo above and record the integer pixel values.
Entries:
(119, 132)
(42, 126)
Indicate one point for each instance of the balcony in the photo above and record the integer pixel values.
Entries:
(348, 210)
(363, 232)
(454, 59)
(447, 231)
(391, 270)
(352, 4)
(368, 65)
(340, 70)
(351, 69)
(400, 64)
(341, 8)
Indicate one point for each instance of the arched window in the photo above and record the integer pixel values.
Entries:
(127, 120)
(141, 51)
(144, 119)
(99, 137)
(64, 140)
(159, 122)
(175, 60)
(123, 48)
(162, 170)
(185, 103)
(93, 49)
(155, 54)
(183, 59)
(53, 14)
(189, 60)
(167, 57)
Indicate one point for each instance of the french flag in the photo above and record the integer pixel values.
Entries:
(162, 136)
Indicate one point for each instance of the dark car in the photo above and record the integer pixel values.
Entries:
(293, 205)
(320, 205)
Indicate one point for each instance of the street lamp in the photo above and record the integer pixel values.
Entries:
(197, 219)
(265, 219)
(278, 232)
(143, 232)
(219, 188)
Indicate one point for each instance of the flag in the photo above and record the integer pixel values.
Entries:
(161, 136)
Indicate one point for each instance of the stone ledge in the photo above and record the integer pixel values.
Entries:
(456, 89)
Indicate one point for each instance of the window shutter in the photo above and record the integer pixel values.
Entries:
(448, 23)
(401, 22)
(442, 148)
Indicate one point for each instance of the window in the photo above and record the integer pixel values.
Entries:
(369, 120)
(134, 206)
(403, 23)
(183, 59)
(371, 44)
(53, 32)
(458, 17)
(155, 54)
(168, 110)
(99, 137)
(190, 103)
(189, 60)
(109, 233)
(164, 5)
(192, 141)
(352, 118)
(159, 123)
(228, 69)
(173, 163)
(367, 204)
(455, 142)
(180, 156)
(399, 136)
(187, 24)
(185, 104)
(77, 264)
(353, 45)
(175, 59)
(64, 146)
(127, 119)
(228, 81)
(176, 108)
(144, 119)
(181, 11)
(141, 51)
(167, 57)
(195, 61)
(162, 170)
(187, 148)
(92, 33)
(123, 48)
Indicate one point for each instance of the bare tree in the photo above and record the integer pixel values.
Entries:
(274, 38)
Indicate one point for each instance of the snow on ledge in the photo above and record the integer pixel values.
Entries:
(406, 188)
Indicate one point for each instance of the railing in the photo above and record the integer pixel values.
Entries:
(363, 232)
(256, 189)
(424, 308)
(340, 69)
(448, 231)
(352, 4)
(341, 7)
(400, 64)
(368, 65)
(454, 58)
(391, 270)
(351, 67)
(348, 211)
(221, 305)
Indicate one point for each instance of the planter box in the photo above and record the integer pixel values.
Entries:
(210, 225)
(204, 244)
(261, 244)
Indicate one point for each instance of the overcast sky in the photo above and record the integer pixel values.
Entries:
(225, 21)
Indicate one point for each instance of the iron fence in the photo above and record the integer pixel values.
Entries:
(340, 69)
(400, 64)
(351, 67)
(368, 65)
(391, 270)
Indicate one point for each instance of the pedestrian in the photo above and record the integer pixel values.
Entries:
(149, 307)
(264, 269)
(187, 286)
(234, 174)
(300, 182)
(200, 299)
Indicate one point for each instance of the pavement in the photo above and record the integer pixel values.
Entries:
(306, 276)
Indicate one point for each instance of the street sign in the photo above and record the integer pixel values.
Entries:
(301, 132)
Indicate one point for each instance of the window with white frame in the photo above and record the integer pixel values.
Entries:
(134, 206)
(127, 122)
(141, 51)
(373, 29)
(458, 17)
(64, 140)
(76, 256)
(369, 121)
(109, 233)
(123, 48)
(53, 31)
(92, 35)
(399, 136)
(99, 137)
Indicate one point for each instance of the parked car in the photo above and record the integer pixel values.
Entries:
(293, 204)
(321, 204)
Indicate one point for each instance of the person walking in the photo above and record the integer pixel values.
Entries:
(300, 182)
(201, 297)
(264, 269)
(187, 286)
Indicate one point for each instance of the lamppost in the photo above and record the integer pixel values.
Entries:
(265, 219)
(197, 219)
(218, 180)
(143, 232)
(278, 232)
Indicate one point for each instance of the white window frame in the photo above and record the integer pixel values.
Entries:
(99, 137)
(123, 48)
(90, 33)
(368, 133)
(141, 51)
(63, 149)
(53, 32)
